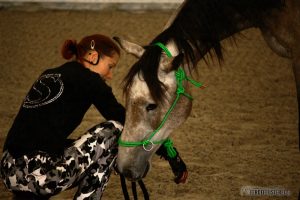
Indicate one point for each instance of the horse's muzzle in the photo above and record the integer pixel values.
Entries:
(134, 174)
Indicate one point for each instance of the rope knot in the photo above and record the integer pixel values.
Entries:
(180, 90)
(147, 145)
(180, 76)
(146, 142)
(170, 148)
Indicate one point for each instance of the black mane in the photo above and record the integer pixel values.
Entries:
(200, 26)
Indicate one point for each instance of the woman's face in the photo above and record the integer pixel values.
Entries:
(105, 66)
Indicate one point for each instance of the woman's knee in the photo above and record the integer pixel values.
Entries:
(99, 142)
(104, 135)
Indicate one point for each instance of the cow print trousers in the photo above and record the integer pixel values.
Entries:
(87, 163)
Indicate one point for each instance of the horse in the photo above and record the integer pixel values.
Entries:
(194, 31)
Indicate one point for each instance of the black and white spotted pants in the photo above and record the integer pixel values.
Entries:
(86, 164)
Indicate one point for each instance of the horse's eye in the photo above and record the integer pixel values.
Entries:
(151, 106)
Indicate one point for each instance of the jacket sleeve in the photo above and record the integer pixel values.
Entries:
(106, 103)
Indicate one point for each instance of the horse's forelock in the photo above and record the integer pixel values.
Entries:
(147, 66)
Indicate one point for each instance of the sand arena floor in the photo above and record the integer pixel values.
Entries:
(243, 126)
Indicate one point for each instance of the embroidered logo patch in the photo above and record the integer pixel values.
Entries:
(45, 90)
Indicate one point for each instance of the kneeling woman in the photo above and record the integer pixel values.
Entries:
(38, 159)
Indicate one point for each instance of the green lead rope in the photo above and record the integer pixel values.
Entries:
(180, 77)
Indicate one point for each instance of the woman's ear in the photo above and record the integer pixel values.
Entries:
(93, 57)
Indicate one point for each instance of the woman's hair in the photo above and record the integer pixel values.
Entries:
(100, 43)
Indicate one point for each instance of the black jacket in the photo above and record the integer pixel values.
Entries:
(55, 106)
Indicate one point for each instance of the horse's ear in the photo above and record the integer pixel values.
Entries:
(130, 47)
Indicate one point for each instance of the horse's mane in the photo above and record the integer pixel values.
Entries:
(197, 29)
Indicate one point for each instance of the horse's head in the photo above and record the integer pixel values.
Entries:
(149, 95)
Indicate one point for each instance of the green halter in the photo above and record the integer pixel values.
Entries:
(180, 77)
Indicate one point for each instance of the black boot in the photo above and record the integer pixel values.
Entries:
(177, 165)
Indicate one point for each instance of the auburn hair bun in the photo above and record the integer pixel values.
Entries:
(69, 49)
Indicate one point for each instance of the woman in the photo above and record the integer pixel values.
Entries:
(38, 159)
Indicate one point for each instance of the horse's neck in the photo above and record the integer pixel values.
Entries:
(239, 21)
(174, 15)
(204, 49)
